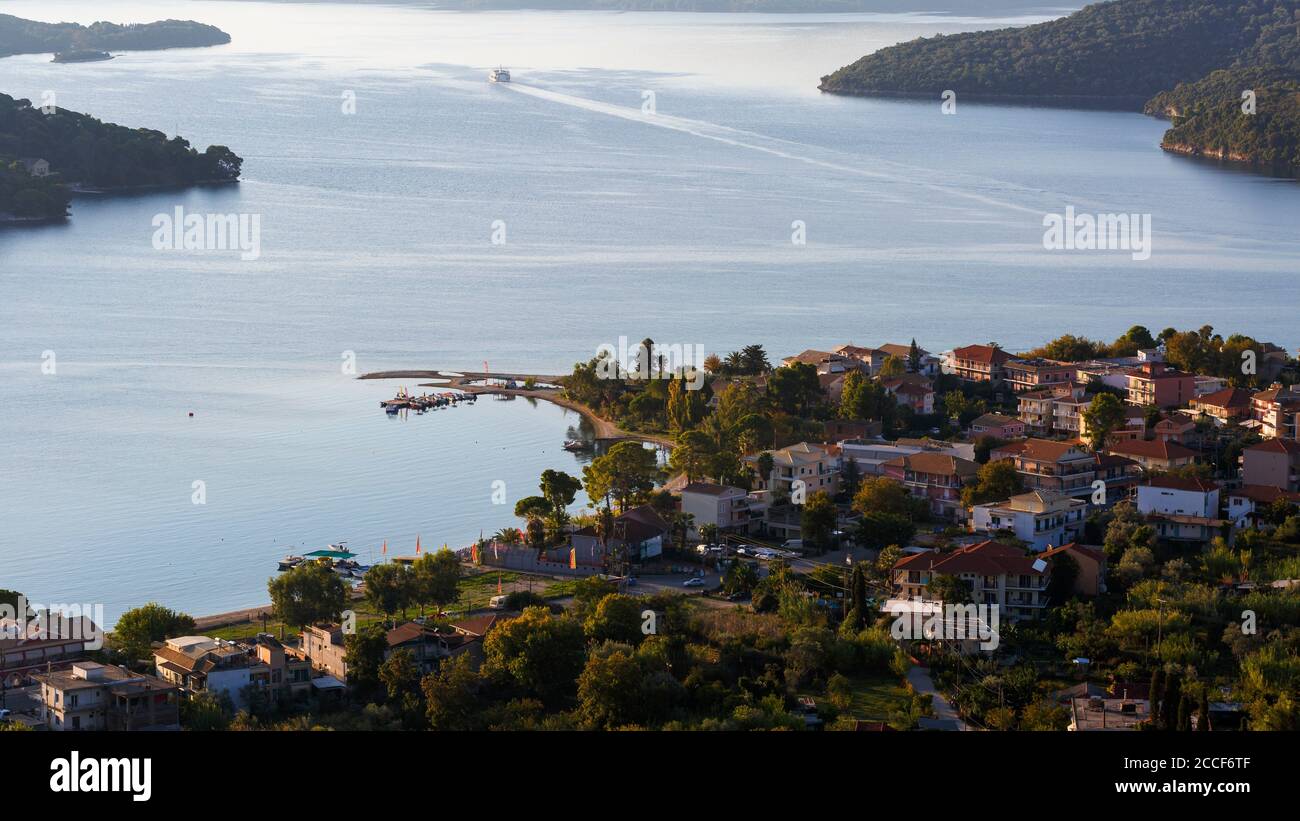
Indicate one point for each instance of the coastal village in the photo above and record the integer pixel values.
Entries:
(1127, 512)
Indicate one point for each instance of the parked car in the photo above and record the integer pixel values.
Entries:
(4, 714)
(695, 582)
(498, 602)
(792, 544)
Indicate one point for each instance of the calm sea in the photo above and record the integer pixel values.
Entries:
(644, 175)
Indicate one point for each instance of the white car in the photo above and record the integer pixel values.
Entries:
(695, 582)
(4, 715)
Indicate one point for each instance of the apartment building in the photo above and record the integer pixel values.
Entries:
(1067, 468)
(1054, 410)
(1040, 518)
(1224, 406)
(1154, 383)
(730, 509)
(935, 477)
(996, 573)
(93, 696)
(817, 467)
(1275, 410)
(197, 664)
(1272, 463)
(1036, 374)
(977, 363)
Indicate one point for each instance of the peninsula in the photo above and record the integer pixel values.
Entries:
(44, 155)
(1226, 74)
(19, 36)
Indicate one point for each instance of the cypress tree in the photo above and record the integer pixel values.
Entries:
(1169, 706)
(1184, 713)
(1204, 726)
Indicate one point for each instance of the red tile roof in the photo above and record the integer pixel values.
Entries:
(1152, 449)
(1226, 398)
(1193, 484)
(982, 353)
(1289, 446)
(985, 559)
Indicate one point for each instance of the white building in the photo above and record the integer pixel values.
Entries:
(1041, 518)
(727, 508)
(1179, 497)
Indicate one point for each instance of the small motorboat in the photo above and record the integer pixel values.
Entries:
(290, 562)
(572, 445)
(499, 75)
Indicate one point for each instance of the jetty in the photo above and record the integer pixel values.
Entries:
(546, 387)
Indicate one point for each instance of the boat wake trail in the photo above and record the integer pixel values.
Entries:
(882, 170)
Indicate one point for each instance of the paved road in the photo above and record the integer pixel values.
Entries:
(919, 678)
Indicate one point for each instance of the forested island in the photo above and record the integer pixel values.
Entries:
(44, 156)
(1189, 60)
(19, 36)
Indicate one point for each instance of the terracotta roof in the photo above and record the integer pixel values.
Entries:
(994, 420)
(901, 351)
(1289, 446)
(1177, 483)
(477, 625)
(1047, 450)
(982, 353)
(1151, 449)
(1095, 553)
(1226, 398)
(940, 464)
(1265, 494)
(985, 558)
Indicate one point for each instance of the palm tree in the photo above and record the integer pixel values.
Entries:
(508, 536)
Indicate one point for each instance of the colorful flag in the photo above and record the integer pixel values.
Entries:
(573, 558)
(473, 554)
(417, 545)
(498, 584)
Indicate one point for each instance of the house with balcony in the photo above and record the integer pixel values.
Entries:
(1275, 410)
(1225, 406)
(91, 696)
(996, 574)
(1039, 518)
(1067, 468)
(1035, 374)
(1120, 475)
(1272, 463)
(816, 467)
(1154, 383)
(977, 363)
(1053, 410)
(730, 509)
(935, 477)
(912, 391)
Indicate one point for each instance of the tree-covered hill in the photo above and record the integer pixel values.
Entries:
(84, 151)
(1187, 59)
(19, 36)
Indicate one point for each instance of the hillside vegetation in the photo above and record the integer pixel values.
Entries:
(19, 36)
(1190, 60)
(84, 151)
